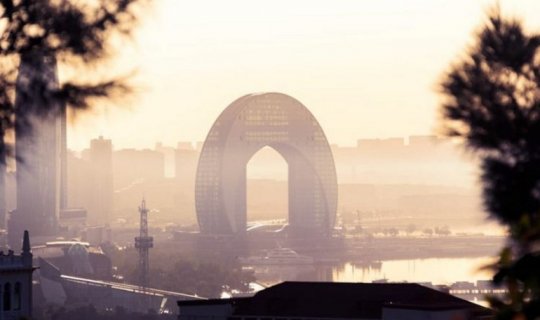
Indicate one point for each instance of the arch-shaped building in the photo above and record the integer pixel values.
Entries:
(243, 128)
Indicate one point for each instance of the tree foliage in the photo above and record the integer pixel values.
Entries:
(42, 33)
(492, 102)
(205, 279)
(173, 271)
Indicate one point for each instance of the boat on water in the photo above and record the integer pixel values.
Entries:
(279, 256)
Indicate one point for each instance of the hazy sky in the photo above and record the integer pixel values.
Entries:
(365, 68)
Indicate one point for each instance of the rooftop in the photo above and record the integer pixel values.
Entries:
(343, 300)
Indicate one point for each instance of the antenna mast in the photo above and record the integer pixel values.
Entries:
(143, 243)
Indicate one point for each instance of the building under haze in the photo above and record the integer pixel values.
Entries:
(247, 125)
(90, 185)
(101, 206)
(132, 167)
(186, 157)
(169, 158)
(41, 151)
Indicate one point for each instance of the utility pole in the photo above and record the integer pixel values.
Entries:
(143, 243)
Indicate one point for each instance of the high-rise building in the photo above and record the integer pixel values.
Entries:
(40, 147)
(247, 125)
(100, 208)
(168, 157)
(186, 164)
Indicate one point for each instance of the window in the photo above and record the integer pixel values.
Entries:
(7, 297)
(17, 296)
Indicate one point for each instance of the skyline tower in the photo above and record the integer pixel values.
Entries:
(101, 206)
(40, 147)
(143, 243)
(247, 125)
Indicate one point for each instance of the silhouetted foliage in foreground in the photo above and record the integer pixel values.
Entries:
(40, 33)
(493, 104)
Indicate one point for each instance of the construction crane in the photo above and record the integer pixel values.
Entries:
(143, 243)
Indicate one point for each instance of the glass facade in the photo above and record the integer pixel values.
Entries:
(247, 125)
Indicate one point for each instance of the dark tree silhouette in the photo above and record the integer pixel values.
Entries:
(493, 104)
(41, 33)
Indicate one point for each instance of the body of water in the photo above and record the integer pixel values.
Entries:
(434, 270)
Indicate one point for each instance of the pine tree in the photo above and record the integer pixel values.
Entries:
(40, 33)
(492, 103)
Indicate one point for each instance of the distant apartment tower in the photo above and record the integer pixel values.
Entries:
(79, 181)
(101, 205)
(41, 151)
(186, 164)
(169, 158)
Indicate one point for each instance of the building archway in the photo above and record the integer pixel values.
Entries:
(267, 194)
(243, 128)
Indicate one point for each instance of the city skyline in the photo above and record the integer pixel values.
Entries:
(378, 149)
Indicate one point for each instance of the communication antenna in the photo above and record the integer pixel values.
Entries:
(143, 243)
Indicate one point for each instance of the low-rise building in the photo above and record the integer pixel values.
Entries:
(333, 300)
(16, 283)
